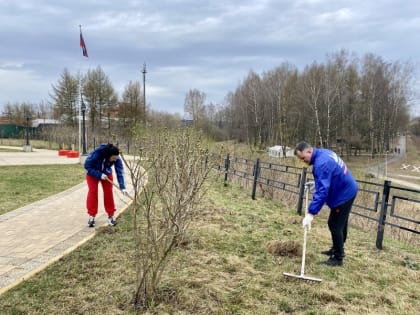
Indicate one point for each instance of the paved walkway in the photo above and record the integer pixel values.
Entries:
(34, 236)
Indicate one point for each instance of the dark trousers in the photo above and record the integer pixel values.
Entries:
(337, 223)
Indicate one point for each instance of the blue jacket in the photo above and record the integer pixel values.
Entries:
(334, 184)
(96, 164)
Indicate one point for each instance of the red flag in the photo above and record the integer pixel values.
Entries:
(83, 45)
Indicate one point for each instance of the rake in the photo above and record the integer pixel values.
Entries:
(116, 186)
(305, 232)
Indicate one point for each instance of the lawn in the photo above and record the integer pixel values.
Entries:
(24, 184)
(225, 267)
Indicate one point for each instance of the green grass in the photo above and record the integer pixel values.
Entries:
(24, 184)
(19, 143)
(17, 150)
(225, 268)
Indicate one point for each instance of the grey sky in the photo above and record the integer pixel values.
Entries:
(186, 44)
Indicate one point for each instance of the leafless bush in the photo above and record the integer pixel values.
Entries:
(177, 166)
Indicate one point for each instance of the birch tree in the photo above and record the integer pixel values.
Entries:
(194, 106)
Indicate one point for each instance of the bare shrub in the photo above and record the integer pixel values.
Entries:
(177, 166)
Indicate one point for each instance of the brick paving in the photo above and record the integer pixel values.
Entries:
(38, 234)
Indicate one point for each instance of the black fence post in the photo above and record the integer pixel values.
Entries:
(256, 175)
(227, 164)
(301, 190)
(382, 215)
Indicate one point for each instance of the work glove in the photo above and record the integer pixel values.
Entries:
(104, 177)
(307, 220)
(311, 186)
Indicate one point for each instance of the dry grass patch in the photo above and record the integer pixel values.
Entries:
(284, 248)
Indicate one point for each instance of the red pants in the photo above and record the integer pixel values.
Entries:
(92, 197)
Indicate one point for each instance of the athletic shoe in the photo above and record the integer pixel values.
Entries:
(333, 261)
(112, 221)
(91, 222)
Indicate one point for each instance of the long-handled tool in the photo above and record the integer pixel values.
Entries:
(305, 232)
(116, 186)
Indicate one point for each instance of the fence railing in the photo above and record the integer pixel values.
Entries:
(384, 204)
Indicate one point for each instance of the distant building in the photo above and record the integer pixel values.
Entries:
(187, 122)
(9, 129)
(277, 151)
(44, 122)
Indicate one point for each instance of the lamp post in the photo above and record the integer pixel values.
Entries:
(144, 92)
(27, 146)
(27, 129)
(83, 109)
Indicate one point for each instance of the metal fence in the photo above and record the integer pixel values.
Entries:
(383, 204)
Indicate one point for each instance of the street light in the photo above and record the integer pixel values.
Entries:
(27, 128)
(83, 109)
(144, 92)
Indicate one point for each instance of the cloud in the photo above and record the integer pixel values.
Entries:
(28, 86)
(187, 44)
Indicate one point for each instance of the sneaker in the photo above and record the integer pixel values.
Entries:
(333, 261)
(91, 221)
(112, 221)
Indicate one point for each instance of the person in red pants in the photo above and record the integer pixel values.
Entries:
(99, 165)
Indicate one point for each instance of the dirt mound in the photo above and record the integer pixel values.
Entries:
(284, 248)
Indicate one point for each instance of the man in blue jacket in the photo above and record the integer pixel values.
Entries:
(334, 186)
(99, 169)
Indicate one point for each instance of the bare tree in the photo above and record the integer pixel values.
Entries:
(100, 97)
(130, 110)
(312, 97)
(282, 105)
(195, 106)
(374, 94)
(251, 95)
(159, 119)
(358, 102)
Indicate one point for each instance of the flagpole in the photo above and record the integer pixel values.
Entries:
(80, 111)
(80, 103)
(85, 54)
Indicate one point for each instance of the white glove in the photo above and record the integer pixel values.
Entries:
(124, 191)
(311, 186)
(104, 177)
(307, 220)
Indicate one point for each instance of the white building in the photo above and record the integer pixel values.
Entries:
(39, 122)
(277, 151)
